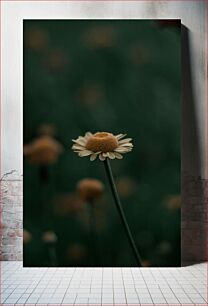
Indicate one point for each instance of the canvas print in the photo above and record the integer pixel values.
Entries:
(102, 115)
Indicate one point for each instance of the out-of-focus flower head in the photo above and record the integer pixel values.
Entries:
(36, 39)
(90, 94)
(76, 252)
(43, 150)
(126, 186)
(173, 202)
(57, 60)
(100, 37)
(90, 189)
(146, 263)
(103, 145)
(139, 55)
(49, 237)
(67, 204)
(164, 248)
(26, 236)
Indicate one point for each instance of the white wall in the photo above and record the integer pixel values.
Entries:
(192, 14)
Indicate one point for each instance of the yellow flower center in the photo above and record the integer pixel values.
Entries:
(102, 142)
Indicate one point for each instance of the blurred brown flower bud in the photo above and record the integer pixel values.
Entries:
(126, 186)
(146, 263)
(173, 202)
(56, 60)
(43, 150)
(26, 236)
(36, 39)
(139, 55)
(90, 189)
(67, 204)
(100, 37)
(164, 248)
(49, 237)
(76, 252)
(90, 95)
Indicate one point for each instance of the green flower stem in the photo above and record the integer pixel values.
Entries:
(52, 255)
(47, 189)
(44, 195)
(121, 212)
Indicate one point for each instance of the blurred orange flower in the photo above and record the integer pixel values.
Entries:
(67, 204)
(36, 39)
(56, 60)
(146, 263)
(126, 186)
(173, 202)
(139, 55)
(90, 189)
(43, 150)
(26, 236)
(90, 95)
(49, 237)
(100, 37)
(164, 248)
(76, 252)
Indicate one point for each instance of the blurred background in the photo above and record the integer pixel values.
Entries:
(101, 75)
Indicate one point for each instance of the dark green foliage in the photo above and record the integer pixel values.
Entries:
(126, 82)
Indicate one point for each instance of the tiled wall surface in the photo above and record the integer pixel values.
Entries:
(194, 225)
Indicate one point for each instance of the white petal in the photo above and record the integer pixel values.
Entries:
(105, 154)
(93, 157)
(127, 149)
(125, 140)
(111, 155)
(128, 144)
(88, 134)
(85, 153)
(119, 136)
(121, 150)
(76, 141)
(101, 157)
(81, 141)
(77, 147)
(118, 155)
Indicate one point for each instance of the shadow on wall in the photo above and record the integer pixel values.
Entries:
(193, 229)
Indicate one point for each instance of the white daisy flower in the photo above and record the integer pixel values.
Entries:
(103, 145)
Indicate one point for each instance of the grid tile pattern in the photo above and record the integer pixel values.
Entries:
(103, 286)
